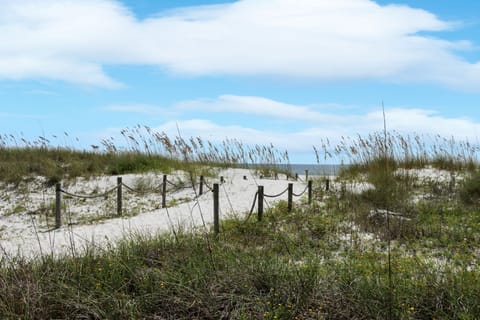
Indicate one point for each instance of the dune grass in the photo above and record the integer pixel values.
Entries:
(340, 258)
(142, 150)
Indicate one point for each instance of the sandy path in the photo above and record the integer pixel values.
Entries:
(26, 238)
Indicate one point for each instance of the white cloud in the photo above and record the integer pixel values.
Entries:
(215, 132)
(321, 125)
(424, 122)
(257, 106)
(326, 116)
(318, 121)
(319, 39)
(301, 141)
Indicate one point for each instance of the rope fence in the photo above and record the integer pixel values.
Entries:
(253, 207)
(136, 191)
(301, 193)
(179, 185)
(258, 200)
(208, 187)
(82, 196)
(276, 195)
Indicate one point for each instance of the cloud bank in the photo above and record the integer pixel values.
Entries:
(75, 40)
(318, 122)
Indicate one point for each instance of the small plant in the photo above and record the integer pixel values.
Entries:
(145, 183)
(470, 191)
(18, 209)
(175, 202)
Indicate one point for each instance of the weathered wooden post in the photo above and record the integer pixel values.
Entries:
(260, 203)
(119, 196)
(58, 205)
(310, 191)
(216, 210)
(296, 176)
(306, 175)
(222, 180)
(200, 188)
(290, 197)
(164, 191)
(327, 184)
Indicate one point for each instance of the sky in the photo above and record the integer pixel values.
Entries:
(287, 72)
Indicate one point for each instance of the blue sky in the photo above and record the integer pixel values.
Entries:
(289, 72)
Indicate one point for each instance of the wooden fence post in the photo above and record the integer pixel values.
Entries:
(216, 215)
(327, 184)
(260, 203)
(306, 175)
(222, 180)
(290, 197)
(200, 188)
(119, 196)
(58, 205)
(310, 191)
(164, 191)
(296, 176)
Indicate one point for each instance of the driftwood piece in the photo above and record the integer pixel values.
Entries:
(381, 214)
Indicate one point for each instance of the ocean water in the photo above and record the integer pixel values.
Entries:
(313, 169)
(316, 169)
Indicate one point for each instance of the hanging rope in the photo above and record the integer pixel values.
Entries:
(301, 193)
(206, 185)
(171, 183)
(137, 191)
(276, 195)
(228, 198)
(253, 207)
(179, 186)
(80, 196)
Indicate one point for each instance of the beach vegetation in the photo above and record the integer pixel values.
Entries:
(395, 236)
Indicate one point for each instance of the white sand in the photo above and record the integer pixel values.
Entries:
(26, 234)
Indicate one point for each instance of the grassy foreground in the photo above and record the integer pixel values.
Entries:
(306, 264)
